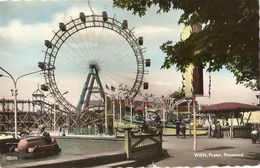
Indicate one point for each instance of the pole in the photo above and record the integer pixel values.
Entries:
(113, 107)
(177, 113)
(120, 109)
(231, 128)
(54, 124)
(106, 112)
(15, 93)
(15, 109)
(145, 107)
(189, 116)
(194, 123)
(259, 96)
(164, 109)
(131, 110)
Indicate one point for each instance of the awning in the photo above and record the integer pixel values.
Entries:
(227, 109)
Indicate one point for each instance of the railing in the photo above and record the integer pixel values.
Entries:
(238, 132)
(143, 146)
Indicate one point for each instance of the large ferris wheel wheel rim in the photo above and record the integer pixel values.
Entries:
(84, 22)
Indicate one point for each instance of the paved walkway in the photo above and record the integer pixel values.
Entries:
(177, 152)
(210, 152)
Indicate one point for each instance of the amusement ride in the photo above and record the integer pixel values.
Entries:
(93, 57)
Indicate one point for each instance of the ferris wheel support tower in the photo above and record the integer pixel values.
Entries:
(88, 88)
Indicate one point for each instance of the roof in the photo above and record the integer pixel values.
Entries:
(228, 107)
(38, 93)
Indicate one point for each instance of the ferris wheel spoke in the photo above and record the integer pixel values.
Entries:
(120, 77)
(92, 46)
(79, 50)
(68, 62)
(75, 54)
(82, 46)
(67, 56)
(118, 55)
(123, 63)
(114, 60)
(83, 53)
(64, 70)
(86, 47)
(119, 69)
(89, 39)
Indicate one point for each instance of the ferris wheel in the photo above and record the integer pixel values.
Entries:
(93, 55)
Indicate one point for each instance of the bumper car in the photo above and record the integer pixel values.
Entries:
(6, 142)
(35, 147)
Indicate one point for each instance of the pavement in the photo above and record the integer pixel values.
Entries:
(210, 152)
(177, 152)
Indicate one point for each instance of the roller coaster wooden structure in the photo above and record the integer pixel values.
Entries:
(31, 113)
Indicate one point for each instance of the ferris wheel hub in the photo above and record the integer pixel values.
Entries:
(94, 66)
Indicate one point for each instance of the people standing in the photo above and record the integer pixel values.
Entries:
(96, 129)
(183, 129)
(258, 133)
(213, 128)
(178, 128)
(157, 119)
(89, 129)
(218, 130)
(145, 126)
(254, 134)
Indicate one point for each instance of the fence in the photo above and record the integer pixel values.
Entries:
(89, 131)
(238, 132)
(144, 145)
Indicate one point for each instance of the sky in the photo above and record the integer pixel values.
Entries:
(24, 25)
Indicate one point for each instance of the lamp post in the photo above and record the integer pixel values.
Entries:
(120, 108)
(15, 93)
(56, 108)
(163, 110)
(131, 110)
(113, 107)
(194, 123)
(146, 106)
(189, 100)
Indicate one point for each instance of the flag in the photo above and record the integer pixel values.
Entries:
(113, 88)
(107, 87)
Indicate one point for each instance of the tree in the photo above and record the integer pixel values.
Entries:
(178, 94)
(229, 37)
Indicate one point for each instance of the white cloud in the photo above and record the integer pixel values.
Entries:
(24, 34)
(225, 89)
(162, 83)
(155, 32)
(18, 33)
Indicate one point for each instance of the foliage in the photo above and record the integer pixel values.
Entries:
(178, 94)
(229, 37)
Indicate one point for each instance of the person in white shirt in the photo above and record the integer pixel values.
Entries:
(254, 135)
